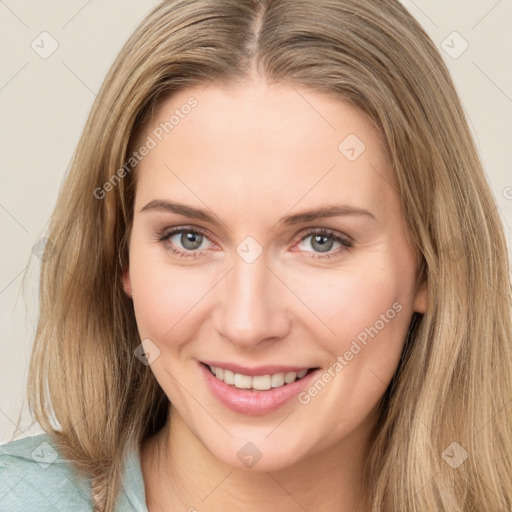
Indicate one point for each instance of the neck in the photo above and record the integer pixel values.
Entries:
(180, 474)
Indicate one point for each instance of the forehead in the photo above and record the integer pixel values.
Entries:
(259, 142)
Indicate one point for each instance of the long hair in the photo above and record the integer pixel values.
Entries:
(450, 392)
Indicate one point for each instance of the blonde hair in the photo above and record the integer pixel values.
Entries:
(89, 391)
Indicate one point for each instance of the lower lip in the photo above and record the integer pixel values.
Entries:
(251, 402)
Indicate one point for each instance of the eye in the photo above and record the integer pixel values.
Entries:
(190, 239)
(323, 240)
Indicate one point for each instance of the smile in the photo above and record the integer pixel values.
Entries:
(255, 390)
(258, 382)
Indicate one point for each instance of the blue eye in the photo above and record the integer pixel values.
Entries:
(191, 239)
(323, 240)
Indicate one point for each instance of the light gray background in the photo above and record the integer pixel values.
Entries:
(45, 101)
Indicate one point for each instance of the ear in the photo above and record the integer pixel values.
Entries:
(125, 279)
(420, 304)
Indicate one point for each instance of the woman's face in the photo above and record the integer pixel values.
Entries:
(268, 240)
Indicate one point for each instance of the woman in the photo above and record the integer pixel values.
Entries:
(278, 278)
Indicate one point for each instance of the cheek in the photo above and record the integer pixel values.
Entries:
(365, 311)
(350, 302)
(368, 314)
(164, 294)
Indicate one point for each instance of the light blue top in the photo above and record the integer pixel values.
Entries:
(34, 478)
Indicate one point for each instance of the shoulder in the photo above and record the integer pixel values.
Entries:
(34, 477)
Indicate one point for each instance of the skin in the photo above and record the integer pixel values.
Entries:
(250, 154)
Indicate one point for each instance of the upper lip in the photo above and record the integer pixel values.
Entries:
(256, 370)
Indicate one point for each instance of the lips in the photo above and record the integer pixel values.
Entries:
(252, 401)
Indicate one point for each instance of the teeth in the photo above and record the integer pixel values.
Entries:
(290, 377)
(277, 380)
(229, 377)
(260, 382)
(243, 381)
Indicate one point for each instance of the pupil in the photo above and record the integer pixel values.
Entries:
(190, 240)
(322, 247)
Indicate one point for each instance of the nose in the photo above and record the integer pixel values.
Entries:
(252, 304)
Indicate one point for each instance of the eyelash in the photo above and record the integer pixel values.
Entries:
(345, 242)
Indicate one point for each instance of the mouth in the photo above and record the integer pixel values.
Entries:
(257, 382)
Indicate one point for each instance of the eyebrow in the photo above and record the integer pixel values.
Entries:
(333, 210)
